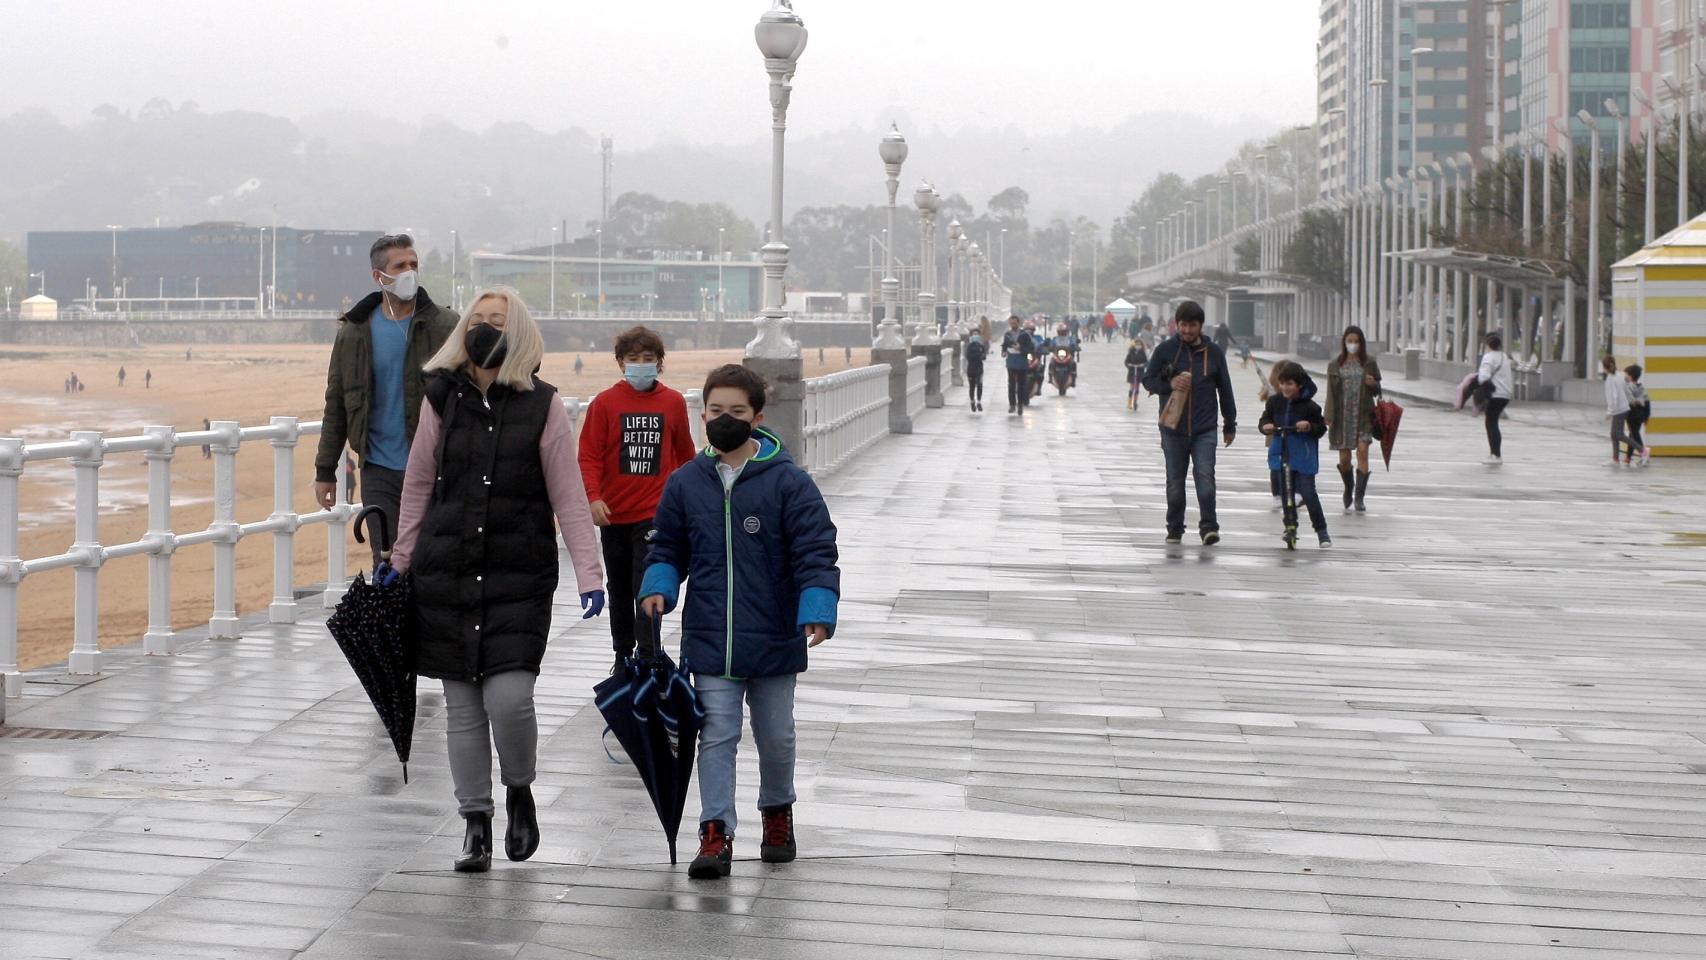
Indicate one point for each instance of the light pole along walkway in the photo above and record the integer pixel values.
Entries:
(1472, 729)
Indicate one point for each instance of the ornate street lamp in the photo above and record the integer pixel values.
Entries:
(892, 150)
(956, 314)
(928, 202)
(781, 37)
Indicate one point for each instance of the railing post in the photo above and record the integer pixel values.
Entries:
(86, 600)
(223, 624)
(11, 570)
(337, 538)
(283, 607)
(160, 640)
(900, 421)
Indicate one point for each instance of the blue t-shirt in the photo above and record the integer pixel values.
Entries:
(387, 427)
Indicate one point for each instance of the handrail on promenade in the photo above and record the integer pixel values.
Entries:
(915, 386)
(844, 413)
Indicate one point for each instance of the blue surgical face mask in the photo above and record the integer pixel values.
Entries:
(641, 376)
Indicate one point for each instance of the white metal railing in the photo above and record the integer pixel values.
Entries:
(843, 414)
(947, 370)
(88, 451)
(915, 386)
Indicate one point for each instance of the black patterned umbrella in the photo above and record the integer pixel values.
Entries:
(371, 628)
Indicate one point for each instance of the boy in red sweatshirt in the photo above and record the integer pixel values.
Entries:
(632, 438)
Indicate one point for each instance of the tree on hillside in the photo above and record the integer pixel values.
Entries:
(1009, 204)
(12, 272)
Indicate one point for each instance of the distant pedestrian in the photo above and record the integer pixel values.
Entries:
(1353, 381)
(849, 356)
(1109, 324)
(148, 379)
(76, 384)
(1494, 379)
(1617, 411)
(1136, 358)
(579, 365)
(206, 450)
(1188, 362)
(1640, 411)
(186, 354)
(1017, 349)
(975, 352)
(67, 384)
(820, 360)
(1293, 420)
(121, 376)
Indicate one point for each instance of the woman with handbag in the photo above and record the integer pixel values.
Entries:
(1353, 381)
(1494, 388)
(493, 460)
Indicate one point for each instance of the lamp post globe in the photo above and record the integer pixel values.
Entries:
(892, 151)
(781, 38)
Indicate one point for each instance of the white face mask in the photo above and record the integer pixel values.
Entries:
(402, 286)
(1353, 348)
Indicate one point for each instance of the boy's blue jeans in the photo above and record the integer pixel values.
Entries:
(1197, 454)
(1303, 484)
(772, 703)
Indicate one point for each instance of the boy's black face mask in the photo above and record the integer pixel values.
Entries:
(727, 433)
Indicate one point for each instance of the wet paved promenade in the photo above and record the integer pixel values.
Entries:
(1471, 730)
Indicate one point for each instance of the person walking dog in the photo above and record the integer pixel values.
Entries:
(494, 460)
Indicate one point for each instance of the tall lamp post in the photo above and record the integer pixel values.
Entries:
(554, 271)
(892, 150)
(781, 37)
(1617, 199)
(1649, 225)
(1593, 325)
(926, 339)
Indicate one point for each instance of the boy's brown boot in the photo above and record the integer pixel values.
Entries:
(716, 852)
(778, 844)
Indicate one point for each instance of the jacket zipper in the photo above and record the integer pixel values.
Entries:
(729, 601)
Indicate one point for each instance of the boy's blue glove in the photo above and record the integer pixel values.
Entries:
(593, 603)
(384, 576)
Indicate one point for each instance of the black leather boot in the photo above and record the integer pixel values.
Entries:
(476, 856)
(1362, 489)
(1345, 475)
(521, 837)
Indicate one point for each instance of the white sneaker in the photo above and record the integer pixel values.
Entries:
(1493, 461)
(1279, 502)
(1646, 456)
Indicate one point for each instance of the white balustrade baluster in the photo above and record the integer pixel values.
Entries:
(283, 607)
(11, 570)
(337, 538)
(160, 640)
(86, 599)
(223, 623)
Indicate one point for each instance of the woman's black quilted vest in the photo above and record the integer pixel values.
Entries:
(485, 564)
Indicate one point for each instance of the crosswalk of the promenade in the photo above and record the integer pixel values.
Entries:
(1471, 730)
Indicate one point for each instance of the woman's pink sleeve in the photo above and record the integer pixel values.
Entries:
(418, 478)
(560, 459)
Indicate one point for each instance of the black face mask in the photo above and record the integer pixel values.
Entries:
(728, 434)
(487, 348)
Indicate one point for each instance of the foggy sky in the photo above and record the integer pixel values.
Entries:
(661, 71)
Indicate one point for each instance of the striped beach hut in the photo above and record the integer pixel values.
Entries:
(1659, 322)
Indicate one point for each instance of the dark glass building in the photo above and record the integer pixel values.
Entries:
(208, 265)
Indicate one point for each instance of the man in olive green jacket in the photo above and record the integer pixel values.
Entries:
(374, 383)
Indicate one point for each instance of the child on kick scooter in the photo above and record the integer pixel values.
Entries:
(1294, 420)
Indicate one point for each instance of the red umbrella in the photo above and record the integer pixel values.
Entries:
(1386, 417)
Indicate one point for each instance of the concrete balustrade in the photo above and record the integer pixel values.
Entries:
(845, 412)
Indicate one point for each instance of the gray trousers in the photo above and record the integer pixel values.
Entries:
(497, 709)
(382, 487)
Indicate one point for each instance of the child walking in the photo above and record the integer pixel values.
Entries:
(1617, 411)
(634, 436)
(1294, 407)
(762, 587)
(1640, 410)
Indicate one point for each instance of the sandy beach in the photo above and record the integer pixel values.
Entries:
(248, 384)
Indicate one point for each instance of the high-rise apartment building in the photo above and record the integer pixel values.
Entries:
(1577, 55)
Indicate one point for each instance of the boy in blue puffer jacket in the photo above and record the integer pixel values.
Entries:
(750, 533)
(1294, 406)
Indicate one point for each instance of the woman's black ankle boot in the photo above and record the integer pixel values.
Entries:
(476, 856)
